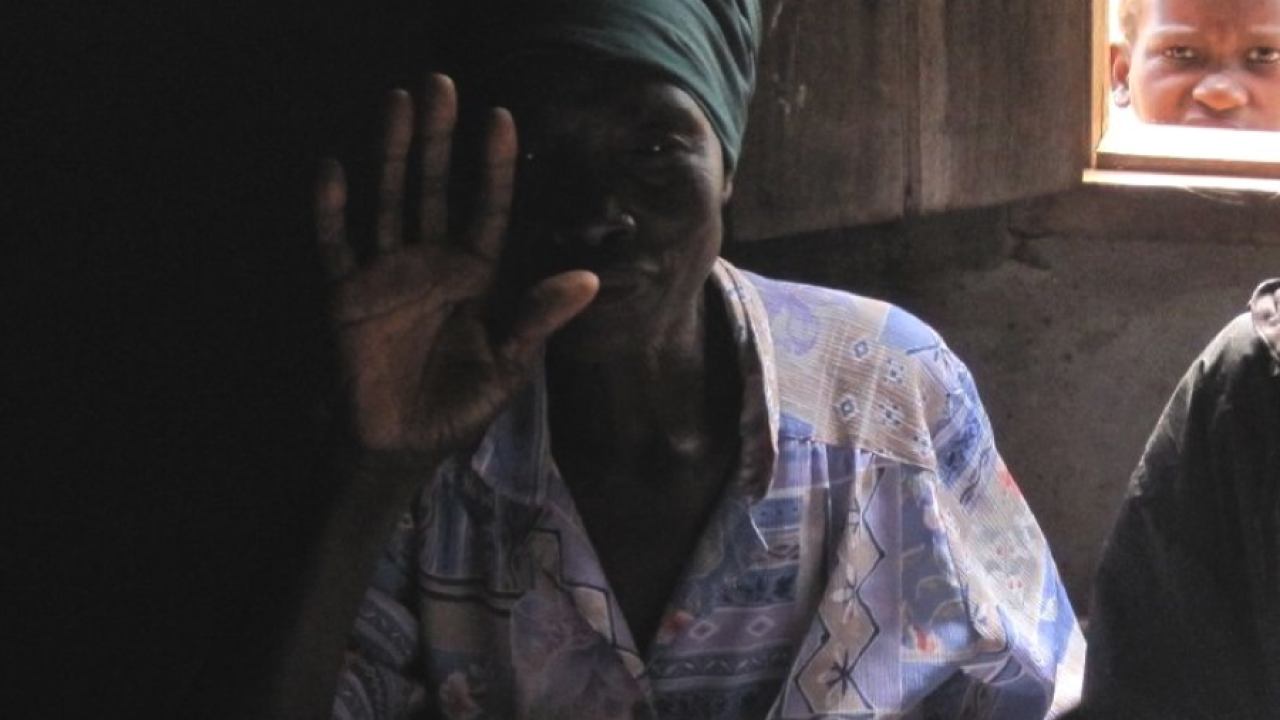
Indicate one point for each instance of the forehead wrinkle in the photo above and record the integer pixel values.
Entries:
(651, 104)
(588, 119)
(1212, 12)
(1177, 30)
(1216, 32)
(679, 109)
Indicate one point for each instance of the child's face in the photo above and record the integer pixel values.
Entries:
(1213, 63)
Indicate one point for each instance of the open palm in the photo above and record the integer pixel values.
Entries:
(425, 372)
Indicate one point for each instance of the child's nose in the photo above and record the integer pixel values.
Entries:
(1220, 92)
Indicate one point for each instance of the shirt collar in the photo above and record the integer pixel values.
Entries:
(1264, 306)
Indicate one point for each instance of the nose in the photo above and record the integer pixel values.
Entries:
(605, 230)
(598, 221)
(577, 197)
(1220, 92)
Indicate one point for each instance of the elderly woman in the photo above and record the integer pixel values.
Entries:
(632, 480)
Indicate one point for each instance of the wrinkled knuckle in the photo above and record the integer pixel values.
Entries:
(439, 129)
(504, 166)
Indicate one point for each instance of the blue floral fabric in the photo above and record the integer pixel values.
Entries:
(872, 557)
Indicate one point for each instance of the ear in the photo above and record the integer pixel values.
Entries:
(728, 189)
(1120, 64)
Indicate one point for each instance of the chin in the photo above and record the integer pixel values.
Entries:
(1218, 123)
(600, 336)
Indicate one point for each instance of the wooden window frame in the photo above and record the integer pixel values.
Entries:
(1152, 194)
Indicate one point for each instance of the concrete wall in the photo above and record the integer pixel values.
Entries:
(1076, 329)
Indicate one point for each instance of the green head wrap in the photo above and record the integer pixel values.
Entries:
(705, 47)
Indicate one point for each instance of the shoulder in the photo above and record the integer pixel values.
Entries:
(1228, 397)
(799, 313)
(860, 371)
(1234, 385)
(1238, 354)
(1250, 343)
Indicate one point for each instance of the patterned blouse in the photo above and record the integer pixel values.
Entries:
(871, 558)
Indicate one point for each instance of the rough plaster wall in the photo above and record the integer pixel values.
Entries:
(1076, 342)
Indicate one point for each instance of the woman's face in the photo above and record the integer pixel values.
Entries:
(1213, 63)
(620, 173)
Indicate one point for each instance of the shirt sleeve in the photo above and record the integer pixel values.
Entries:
(376, 681)
(1024, 653)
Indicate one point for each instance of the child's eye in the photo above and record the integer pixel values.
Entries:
(1179, 52)
(1264, 55)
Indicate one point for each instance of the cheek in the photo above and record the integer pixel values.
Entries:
(692, 197)
(1265, 93)
(1160, 90)
(685, 220)
(1266, 109)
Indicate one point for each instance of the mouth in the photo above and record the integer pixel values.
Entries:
(1211, 122)
(622, 275)
(618, 285)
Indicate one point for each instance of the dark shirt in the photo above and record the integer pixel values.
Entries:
(1185, 618)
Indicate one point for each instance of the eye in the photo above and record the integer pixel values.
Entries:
(1264, 55)
(658, 145)
(1181, 53)
(653, 148)
(533, 148)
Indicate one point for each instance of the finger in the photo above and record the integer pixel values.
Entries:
(549, 306)
(331, 233)
(496, 182)
(397, 134)
(439, 116)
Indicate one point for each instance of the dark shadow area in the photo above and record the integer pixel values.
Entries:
(166, 361)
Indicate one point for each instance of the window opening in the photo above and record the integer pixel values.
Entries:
(1179, 46)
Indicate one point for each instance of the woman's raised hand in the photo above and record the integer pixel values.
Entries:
(425, 371)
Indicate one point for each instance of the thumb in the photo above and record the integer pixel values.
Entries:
(548, 307)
